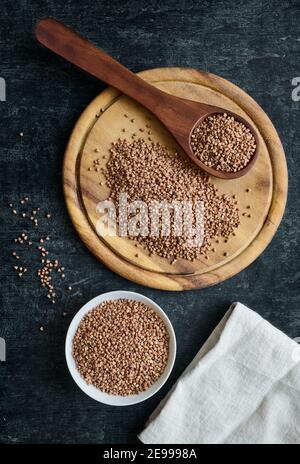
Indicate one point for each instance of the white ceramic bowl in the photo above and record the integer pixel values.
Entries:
(94, 392)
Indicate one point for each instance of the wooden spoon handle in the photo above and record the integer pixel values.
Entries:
(79, 51)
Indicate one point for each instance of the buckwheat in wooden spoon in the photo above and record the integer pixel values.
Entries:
(181, 117)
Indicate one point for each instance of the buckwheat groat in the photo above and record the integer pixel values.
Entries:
(121, 347)
(223, 143)
(149, 171)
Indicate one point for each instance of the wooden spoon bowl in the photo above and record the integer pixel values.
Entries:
(179, 116)
(214, 172)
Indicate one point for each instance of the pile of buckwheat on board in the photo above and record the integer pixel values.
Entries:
(149, 171)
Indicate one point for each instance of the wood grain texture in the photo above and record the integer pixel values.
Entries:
(267, 181)
(179, 115)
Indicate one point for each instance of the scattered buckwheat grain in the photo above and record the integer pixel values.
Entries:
(27, 239)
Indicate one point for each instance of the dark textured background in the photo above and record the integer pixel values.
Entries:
(254, 44)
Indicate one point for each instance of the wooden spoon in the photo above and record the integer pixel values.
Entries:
(178, 115)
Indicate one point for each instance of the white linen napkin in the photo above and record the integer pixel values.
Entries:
(243, 386)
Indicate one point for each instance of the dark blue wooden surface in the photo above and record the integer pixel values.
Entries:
(254, 44)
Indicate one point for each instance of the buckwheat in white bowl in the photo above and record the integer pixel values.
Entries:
(120, 348)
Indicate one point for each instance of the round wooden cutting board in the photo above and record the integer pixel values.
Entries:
(261, 194)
